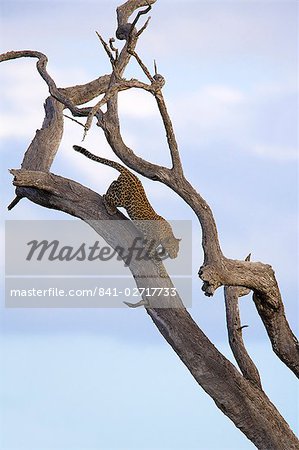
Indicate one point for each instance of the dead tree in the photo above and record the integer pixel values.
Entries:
(239, 396)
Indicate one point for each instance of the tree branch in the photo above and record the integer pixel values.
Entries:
(234, 329)
(255, 415)
(124, 12)
(247, 406)
(217, 270)
(56, 192)
(261, 279)
(41, 67)
(241, 400)
(116, 87)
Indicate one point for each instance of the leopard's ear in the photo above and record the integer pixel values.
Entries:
(178, 240)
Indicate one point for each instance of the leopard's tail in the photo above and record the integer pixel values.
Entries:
(105, 161)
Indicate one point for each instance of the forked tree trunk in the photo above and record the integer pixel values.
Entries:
(238, 396)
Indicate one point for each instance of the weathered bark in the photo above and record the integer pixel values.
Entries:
(246, 405)
(234, 328)
(242, 401)
(217, 270)
(239, 396)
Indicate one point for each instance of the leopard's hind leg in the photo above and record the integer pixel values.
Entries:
(114, 196)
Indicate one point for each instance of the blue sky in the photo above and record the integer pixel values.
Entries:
(104, 379)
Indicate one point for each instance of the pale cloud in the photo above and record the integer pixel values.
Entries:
(20, 77)
(70, 76)
(137, 104)
(223, 94)
(275, 89)
(23, 112)
(22, 99)
(240, 118)
(209, 29)
(211, 108)
(275, 152)
(73, 165)
(24, 95)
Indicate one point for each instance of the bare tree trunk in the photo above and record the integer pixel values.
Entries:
(239, 396)
(243, 401)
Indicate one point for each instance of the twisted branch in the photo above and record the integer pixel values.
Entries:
(236, 342)
(255, 415)
(217, 270)
(202, 359)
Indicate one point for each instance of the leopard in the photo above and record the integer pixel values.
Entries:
(128, 192)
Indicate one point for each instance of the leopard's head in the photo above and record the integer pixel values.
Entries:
(171, 246)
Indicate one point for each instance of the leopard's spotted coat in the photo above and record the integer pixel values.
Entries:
(127, 192)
